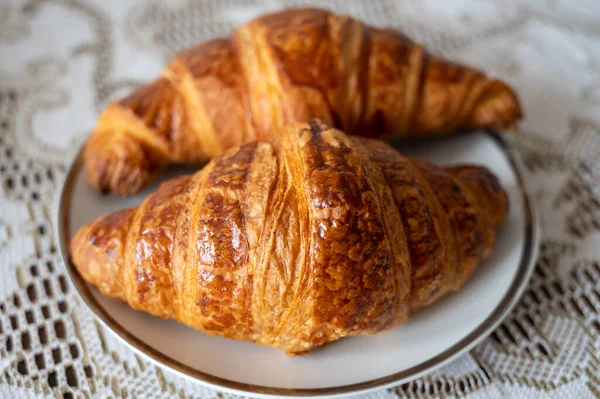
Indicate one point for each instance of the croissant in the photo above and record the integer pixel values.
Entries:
(297, 242)
(286, 67)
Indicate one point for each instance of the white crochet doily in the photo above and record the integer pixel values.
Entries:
(62, 61)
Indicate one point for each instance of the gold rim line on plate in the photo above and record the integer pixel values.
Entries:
(509, 300)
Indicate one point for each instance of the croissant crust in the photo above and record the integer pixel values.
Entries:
(298, 241)
(287, 67)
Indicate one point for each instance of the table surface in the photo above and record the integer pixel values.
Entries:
(63, 61)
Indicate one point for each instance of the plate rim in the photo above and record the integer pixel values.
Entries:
(478, 334)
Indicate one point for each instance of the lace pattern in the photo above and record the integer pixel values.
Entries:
(55, 80)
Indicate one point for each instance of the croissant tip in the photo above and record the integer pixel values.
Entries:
(498, 109)
(118, 165)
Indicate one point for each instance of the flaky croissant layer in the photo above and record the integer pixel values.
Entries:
(286, 67)
(299, 241)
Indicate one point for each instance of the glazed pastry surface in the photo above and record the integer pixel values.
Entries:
(297, 241)
(287, 67)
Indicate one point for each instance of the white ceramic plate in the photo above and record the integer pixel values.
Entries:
(428, 340)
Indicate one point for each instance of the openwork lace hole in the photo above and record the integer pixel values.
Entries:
(48, 288)
(46, 311)
(59, 329)
(40, 362)
(430, 389)
(71, 376)
(22, 367)
(521, 329)
(14, 322)
(575, 306)
(542, 349)
(508, 334)
(56, 355)
(32, 292)
(63, 284)
(16, 301)
(52, 380)
(588, 302)
(25, 340)
(74, 351)
(43, 335)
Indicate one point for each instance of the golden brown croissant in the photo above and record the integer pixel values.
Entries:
(286, 67)
(297, 242)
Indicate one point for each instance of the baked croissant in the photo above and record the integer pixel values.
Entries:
(286, 67)
(297, 242)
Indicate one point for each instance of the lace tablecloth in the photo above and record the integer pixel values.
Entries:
(62, 61)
